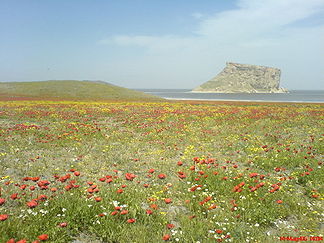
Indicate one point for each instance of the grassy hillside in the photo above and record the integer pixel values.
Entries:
(69, 90)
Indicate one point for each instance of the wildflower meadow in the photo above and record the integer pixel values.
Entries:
(160, 172)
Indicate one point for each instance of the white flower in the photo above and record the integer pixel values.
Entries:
(63, 210)
(256, 225)
(115, 203)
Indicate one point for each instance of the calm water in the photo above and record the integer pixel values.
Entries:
(293, 96)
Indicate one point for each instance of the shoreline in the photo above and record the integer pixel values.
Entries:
(222, 92)
(249, 101)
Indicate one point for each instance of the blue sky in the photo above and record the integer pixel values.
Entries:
(160, 44)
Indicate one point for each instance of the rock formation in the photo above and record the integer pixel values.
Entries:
(244, 78)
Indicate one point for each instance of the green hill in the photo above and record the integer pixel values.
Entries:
(70, 90)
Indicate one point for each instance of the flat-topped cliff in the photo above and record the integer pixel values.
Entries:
(244, 78)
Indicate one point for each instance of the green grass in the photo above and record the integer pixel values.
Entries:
(220, 146)
(70, 90)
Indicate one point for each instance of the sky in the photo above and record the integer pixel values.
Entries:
(168, 44)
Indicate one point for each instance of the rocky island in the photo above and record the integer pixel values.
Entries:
(244, 78)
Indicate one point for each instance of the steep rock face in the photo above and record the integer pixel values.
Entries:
(244, 78)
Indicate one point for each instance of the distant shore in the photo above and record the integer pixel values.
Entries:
(248, 101)
(222, 92)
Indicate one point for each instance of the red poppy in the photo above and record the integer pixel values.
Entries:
(120, 191)
(35, 179)
(253, 189)
(114, 213)
(170, 226)
(192, 167)
(130, 176)
(68, 187)
(161, 176)
(123, 212)
(90, 190)
(98, 199)
(43, 237)
(22, 241)
(154, 206)
(279, 201)
(182, 176)
(253, 175)
(32, 204)
(179, 163)
(146, 185)
(131, 221)
(43, 183)
(2, 201)
(194, 188)
(149, 212)
(11, 241)
(151, 170)
(213, 206)
(166, 237)
(3, 217)
(14, 196)
(63, 224)
(76, 173)
(168, 200)
(23, 187)
(218, 231)
(42, 197)
(261, 184)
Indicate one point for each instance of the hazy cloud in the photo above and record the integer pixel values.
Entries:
(197, 15)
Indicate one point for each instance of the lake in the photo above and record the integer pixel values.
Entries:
(313, 96)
